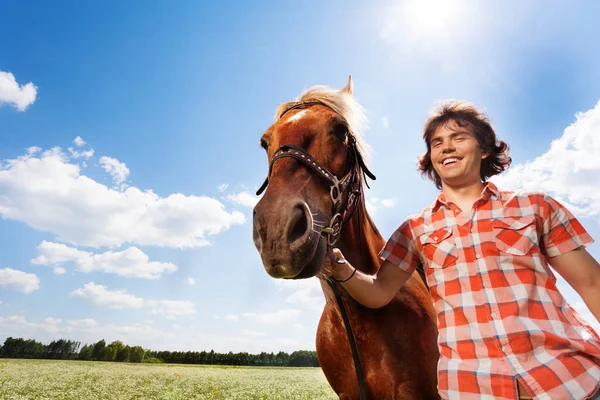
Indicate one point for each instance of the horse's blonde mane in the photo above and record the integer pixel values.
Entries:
(342, 103)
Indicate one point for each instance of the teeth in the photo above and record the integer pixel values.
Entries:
(449, 160)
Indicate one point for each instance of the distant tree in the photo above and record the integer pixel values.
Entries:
(21, 348)
(112, 350)
(136, 354)
(98, 352)
(282, 359)
(86, 353)
(123, 354)
(110, 353)
(303, 358)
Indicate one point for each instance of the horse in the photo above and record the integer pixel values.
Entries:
(317, 173)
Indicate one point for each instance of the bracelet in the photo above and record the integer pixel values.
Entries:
(345, 280)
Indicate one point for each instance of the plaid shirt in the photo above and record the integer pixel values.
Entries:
(500, 316)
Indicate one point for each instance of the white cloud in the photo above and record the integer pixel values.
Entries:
(120, 299)
(252, 333)
(244, 198)
(278, 317)
(191, 281)
(78, 141)
(230, 317)
(52, 321)
(83, 323)
(18, 326)
(33, 150)
(385, 122)
(371, 207)
(223, 187)
(19, 280)
(101, 296)
(86, 331)
(59, 270)
(375, 203)
(19, 97)
(49, 193)
(388, 203)
(568, 171)
(87, 154)
(131, 262)
(116, 169)
(171, 309)
(149, 337)
(305, 293)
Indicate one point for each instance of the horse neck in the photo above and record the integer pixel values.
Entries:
(360, 241)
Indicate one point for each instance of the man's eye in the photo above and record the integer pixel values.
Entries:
(436, 144)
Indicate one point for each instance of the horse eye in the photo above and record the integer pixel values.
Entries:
(340, 130)
(264, 144)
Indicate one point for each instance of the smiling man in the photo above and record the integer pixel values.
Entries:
(505, 331)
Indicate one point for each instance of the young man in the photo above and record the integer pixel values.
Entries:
(505, 331)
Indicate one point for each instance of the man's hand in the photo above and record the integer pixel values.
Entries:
(339, 268)
(373, 291)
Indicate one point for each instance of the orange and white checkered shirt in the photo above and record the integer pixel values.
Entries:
(500, 316)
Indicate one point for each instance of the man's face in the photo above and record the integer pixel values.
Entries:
(456, 155)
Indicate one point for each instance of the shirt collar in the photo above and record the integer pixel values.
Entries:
(490, 191)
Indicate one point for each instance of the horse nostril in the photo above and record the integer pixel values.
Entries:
(298, 226)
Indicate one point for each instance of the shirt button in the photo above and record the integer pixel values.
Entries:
(435, 238)
(477, 256)
(493, 315)
(505, 349)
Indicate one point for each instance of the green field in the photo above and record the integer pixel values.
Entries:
(46, 379)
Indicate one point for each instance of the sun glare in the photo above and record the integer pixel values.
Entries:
(432, 17)
(426, 23)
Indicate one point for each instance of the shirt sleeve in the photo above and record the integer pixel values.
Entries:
(400, 249)
(561, 232)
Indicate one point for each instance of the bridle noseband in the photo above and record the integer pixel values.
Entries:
(337, 187)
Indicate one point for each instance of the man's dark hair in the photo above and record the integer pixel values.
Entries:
(465, 114)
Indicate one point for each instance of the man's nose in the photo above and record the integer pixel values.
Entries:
(447, 147)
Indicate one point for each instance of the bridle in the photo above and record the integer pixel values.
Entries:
(337, 188)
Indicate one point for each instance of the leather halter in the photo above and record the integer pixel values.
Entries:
(337, 188)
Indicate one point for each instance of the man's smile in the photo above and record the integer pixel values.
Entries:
(450, 161)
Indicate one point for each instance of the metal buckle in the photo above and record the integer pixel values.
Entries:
(334, 229)
(334, 191)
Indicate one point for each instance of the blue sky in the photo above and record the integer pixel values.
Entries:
(129, 147)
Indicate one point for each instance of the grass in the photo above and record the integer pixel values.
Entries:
(66, 380)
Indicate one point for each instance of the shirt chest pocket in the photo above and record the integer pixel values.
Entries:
(439, 248)
(517, 236)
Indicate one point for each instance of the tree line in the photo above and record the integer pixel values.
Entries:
(117, 351)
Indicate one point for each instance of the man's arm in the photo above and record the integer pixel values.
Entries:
(582, 272)
(373, 291)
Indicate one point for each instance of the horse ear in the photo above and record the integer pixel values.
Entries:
(349, 87)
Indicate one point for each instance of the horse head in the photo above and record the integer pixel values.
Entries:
(315, 179)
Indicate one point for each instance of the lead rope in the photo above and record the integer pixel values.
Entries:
(357, 364)
(338, 296)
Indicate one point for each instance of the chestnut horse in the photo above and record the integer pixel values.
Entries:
(314, 200)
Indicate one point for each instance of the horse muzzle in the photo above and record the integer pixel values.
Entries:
(288, 238)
